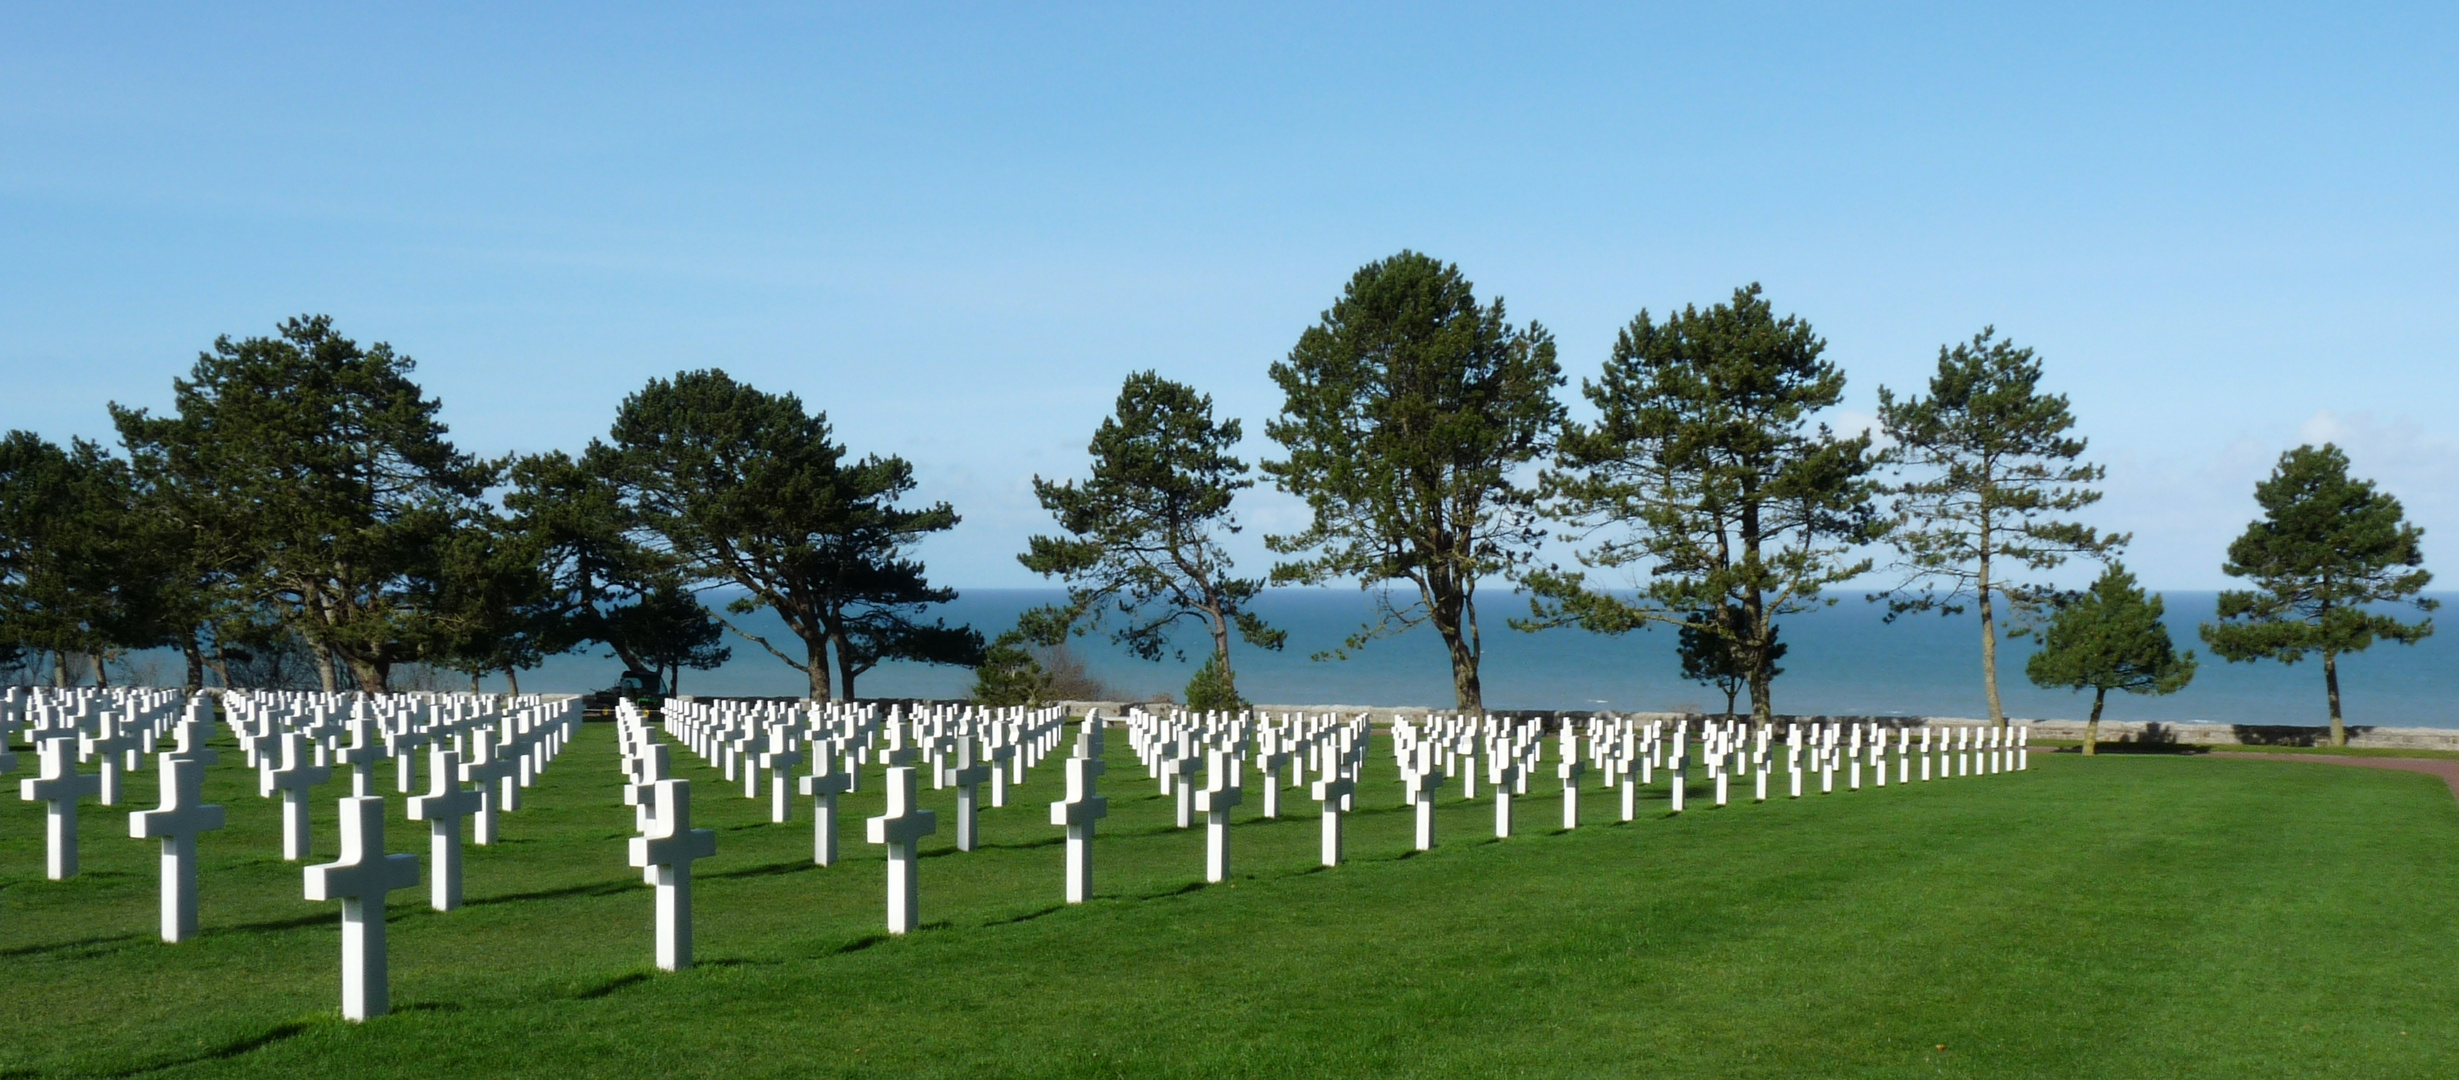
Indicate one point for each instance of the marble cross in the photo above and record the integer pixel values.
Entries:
(58, 786)
(491, 775)
(442, 808)
(1225, 788)
(1270, 758)
(783, 754)
(1503, 773)
(1425, 782)
(359, 879)
(968, 777)
(292, 780)
(108, 746)
(1332, 792)
(901, 829)
(665, 856)
(182, 816)
(1569, 771)
(1082, 808)
(361, 756)
(826, 782)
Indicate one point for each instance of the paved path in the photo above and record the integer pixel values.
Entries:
(2447, 769)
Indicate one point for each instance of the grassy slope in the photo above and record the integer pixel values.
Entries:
(2125, 916)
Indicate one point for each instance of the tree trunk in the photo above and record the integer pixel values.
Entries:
(102, 678)
(2330, 680)
(324, 667)
(1220, 651)
(512, 680)
(1989, 644)
(2091, 727)
(1467, 694)
(845, 661)
(815, 653)
(1731, 690)
(196, 662)
(59, 668)
(221, 664)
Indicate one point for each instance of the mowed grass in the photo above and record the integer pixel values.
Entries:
(2126, 916)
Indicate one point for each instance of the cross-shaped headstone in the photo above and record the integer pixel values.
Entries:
(107, 744)
(1503, 772)
(968, 776)
(181, 817)
(359, 879)
(293, 779)
(1569, 770)
(361, 756)
(1082, 807)
(1425, 781)
(1333, 791)
(827, 781)
(665, 856)
(1225, 788)
(58, 785)
(442, 808)
(783, 754)
(1270, 758)
(901, 828)
(492, 775)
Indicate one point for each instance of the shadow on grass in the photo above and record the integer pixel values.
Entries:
(609, 986)
(595, 888)
(227, 1050)
(764, 870)
(84, 946)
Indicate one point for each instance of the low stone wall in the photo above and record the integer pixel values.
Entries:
(2111, 731)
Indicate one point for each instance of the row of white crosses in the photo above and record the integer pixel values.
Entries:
(1176, 747)
(295, 741)
(763, 742)
(1625, 753)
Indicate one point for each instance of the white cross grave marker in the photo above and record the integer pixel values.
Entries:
(58, 786)
(181, 817)
(293, 779)
(665, 856)
(1332, 792)
(968, 777)
(1082, 807)
(901, 829)
(1224, 789)
(442, 808)
(359, 880)
(824, 784)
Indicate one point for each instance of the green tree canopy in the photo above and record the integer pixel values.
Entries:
(1143, 534)
(322, 473)
(2109, 638)
(72, 579)
(1705, 466)
(746, 488)
(1708, 656)
(1984, 467)
(1407, 407)
(2327, 552)
(605, 584)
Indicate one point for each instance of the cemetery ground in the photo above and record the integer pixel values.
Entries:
(2130, 915)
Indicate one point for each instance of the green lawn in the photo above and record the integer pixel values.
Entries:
(2130, 915)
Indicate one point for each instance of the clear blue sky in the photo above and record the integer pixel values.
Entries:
(2227, 229)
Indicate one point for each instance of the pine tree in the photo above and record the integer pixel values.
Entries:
(1985, 469)
(2326, 552)
(2109, 638)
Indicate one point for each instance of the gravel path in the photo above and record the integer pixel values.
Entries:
(2447, 769)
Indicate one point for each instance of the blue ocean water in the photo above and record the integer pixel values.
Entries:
(1842, 660)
